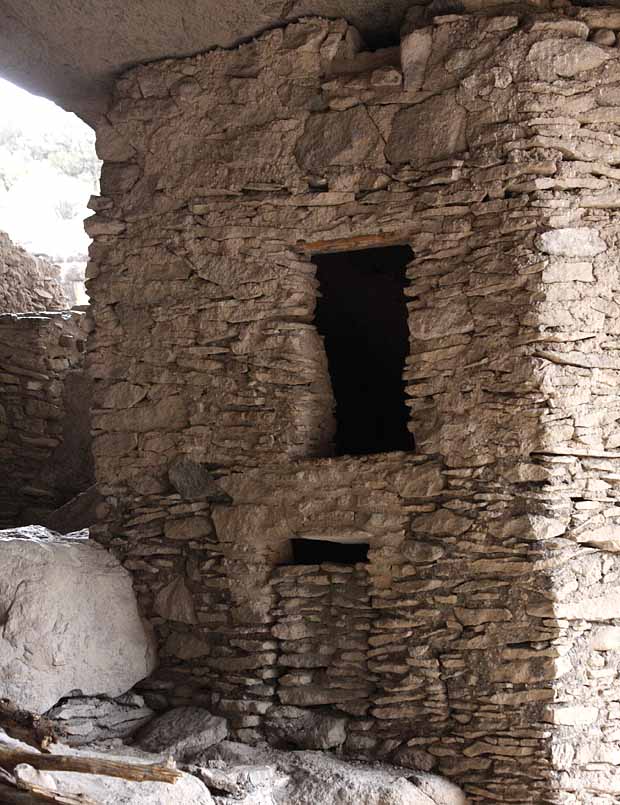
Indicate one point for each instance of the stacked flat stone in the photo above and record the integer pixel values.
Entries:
(44, 427)
(493, 151)
(322, 624)
(82, 720)
(28, 283)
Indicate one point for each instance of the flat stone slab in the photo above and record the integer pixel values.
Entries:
(183, 732)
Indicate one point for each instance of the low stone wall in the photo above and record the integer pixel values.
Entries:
(27, 283)
(44, 414)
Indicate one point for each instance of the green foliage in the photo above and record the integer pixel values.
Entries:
(69, 153)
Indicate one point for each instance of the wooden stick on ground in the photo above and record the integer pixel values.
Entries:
(30, 793)
(90, 765)
(32, 729)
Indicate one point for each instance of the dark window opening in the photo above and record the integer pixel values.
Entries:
(382, 41)
(317, 551)
(362, 315)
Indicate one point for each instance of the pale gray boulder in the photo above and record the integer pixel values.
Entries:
(308, 778)
(69, 618)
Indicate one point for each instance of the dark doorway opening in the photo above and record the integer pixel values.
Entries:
(317, 551)
(362, 315)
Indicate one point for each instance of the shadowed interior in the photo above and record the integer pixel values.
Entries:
(362, 315)
(317, 551)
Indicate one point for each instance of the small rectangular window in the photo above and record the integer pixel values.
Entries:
(362, 315)
(318, 551)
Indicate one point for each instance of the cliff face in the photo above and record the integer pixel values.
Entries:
(27, 283)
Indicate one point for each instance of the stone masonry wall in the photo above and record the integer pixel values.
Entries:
(456, 606)
(27, 283)
(44, 422)
(492, 616)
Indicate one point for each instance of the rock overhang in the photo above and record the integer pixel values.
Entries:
(73, 52)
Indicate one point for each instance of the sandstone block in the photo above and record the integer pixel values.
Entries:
(174, 602)
(572, 715)
(84, 719)
(195, 527)
(415, 50)
(428, 132)
(183, 733)
(193, 481)
(337, 138)
(605, 537)
(579, 59)
(571, 242)
(310, 730)
(605, 638)
(604, 37)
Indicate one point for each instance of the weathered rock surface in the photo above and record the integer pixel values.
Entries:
(307, 778)
(194, 482)
(78, 513)
(308, 729)
(70, 621)
(187, 790)
(338, 138)
(429, 132)
(27, 283)
(86, 719)
(183, 732)
(230, 773)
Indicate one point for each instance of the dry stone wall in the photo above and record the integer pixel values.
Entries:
(448, 659)
(44, 414)
(27, 283)
(487, 611)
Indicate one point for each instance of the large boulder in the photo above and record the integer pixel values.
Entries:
(69, 619)
(239, 775)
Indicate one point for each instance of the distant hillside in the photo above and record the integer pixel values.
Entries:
(48, 171)
(46, 179)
